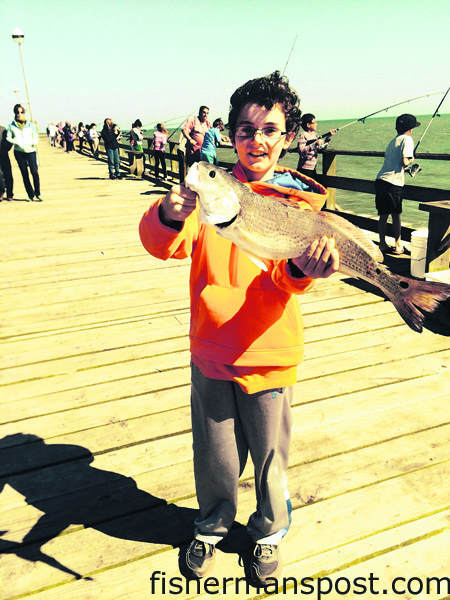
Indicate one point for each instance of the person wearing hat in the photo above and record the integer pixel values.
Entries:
(391, 180)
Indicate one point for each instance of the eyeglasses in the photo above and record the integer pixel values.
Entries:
(271, 133)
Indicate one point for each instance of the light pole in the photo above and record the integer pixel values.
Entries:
(18, 36)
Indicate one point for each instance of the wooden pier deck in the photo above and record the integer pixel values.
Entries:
(96, 484)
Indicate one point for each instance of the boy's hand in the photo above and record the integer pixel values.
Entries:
(320, 260)
(177, 205)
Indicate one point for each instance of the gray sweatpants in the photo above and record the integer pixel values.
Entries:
(227, 423)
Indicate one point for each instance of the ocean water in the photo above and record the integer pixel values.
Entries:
(375, 134)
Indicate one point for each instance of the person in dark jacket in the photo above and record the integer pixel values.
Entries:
(68, 136)
(6, 176)
(111, 135)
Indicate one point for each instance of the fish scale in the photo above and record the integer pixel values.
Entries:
(273, 228)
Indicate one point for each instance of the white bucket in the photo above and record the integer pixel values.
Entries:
(419, 241)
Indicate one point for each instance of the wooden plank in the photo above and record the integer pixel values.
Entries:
(309, 532)
(83, 374)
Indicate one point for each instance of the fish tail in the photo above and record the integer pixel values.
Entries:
(413, 297)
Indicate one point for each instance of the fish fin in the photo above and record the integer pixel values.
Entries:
(286, 201)
(357, 233)
(415, 296)
(246, 240)
(257, 260)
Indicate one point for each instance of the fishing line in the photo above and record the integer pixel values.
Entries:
(363, 119)
(289, 56)
(416, 168)
(182, 122)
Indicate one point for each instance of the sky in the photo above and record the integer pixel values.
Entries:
(159, 60)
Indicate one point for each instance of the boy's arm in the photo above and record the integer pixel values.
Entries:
(319, 261)
(225, 142)
(10, 135)
(407, 160)
(186, 130)
(304, 145)
(169, 229)
(408, 151)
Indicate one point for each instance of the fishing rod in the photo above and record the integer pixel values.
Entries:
(182, 122)
(416, 168)
(289, 56)
(363, 119)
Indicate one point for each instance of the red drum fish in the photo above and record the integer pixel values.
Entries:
(268, 227)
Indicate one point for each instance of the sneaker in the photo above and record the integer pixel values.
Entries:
(112, 177)
(266, 564)
(200, 558)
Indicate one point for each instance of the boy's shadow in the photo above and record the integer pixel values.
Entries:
(60, 481)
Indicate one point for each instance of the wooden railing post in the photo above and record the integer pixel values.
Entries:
(329, 168)
(438, 231)
(181, 165)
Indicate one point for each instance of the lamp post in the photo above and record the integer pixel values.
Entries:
(18, 36)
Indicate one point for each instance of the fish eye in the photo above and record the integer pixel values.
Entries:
(212, 174)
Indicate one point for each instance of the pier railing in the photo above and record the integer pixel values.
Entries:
(128, 158)
(435, 201)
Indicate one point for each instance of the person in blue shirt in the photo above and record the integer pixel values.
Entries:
(212, 140)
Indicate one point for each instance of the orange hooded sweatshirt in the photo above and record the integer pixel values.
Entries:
(246, 324)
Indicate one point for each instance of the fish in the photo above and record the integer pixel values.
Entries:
(274, 228)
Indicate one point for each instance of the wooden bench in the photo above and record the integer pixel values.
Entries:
(438, 246)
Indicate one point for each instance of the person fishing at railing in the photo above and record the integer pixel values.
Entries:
(81, 134)
(159, 144)
(137, 141)
(92, 136)
(391, 180)
(136, 136)
(111, 135)
(212, 140)
(194, 131)
(309, 145)
(246, 334)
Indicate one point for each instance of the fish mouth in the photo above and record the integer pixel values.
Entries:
(226, 223)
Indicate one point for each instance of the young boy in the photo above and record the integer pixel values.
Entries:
(246, 331)
(212, 140)
(309, 145)
(391, 179)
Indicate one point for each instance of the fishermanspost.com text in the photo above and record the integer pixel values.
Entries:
(317, 588)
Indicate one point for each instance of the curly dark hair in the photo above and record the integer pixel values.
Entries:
(307, 119)
(266, 91)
